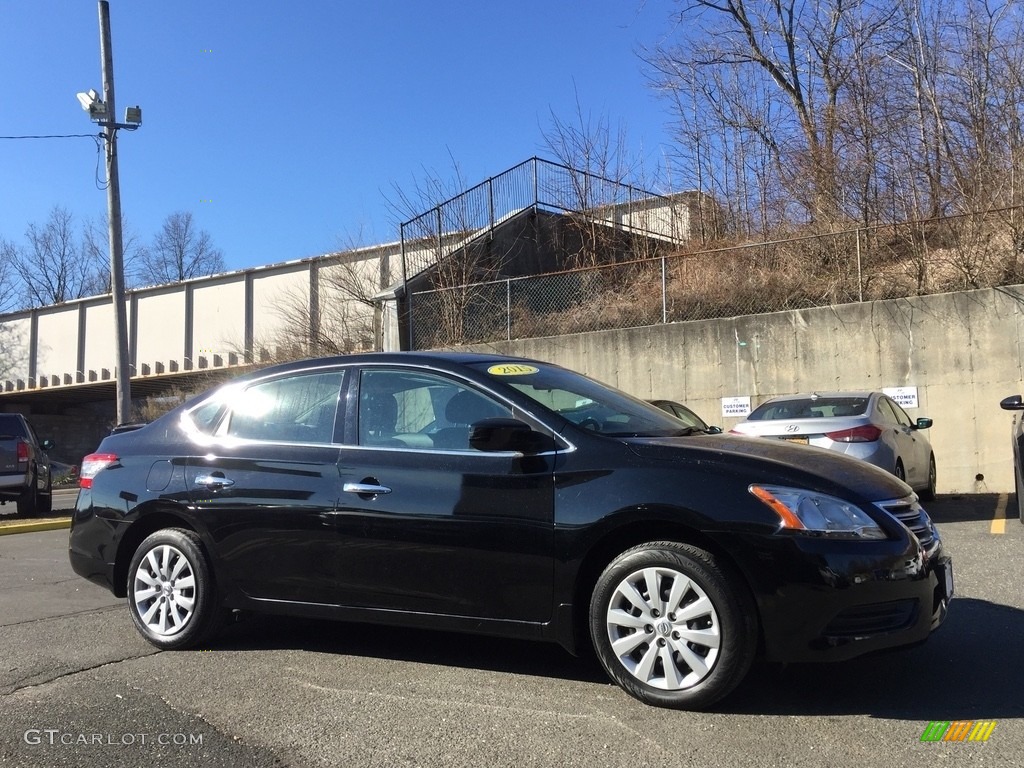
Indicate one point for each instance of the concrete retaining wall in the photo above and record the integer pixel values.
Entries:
(962, 352)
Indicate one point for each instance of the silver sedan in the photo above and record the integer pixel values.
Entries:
(865, 425)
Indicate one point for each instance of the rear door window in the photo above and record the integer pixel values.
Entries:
(291, 409)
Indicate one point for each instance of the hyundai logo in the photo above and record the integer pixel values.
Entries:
(793, 428)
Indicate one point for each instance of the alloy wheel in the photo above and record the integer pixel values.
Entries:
(164, 590)
(663, 628)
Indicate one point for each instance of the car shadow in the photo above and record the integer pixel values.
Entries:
(967, 670)
(966, 507)
(422, 646)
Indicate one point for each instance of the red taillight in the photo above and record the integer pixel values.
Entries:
(91, 465)
(866, 434)
(22, 452)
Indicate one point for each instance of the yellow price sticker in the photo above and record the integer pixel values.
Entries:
(512, 369)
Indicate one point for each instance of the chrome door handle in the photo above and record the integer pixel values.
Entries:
(365, 488)
(212, 482)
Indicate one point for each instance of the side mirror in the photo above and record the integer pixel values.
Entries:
(923, 423)
(1012, 403)
(501, 434)
(714, 430)
(47, 445)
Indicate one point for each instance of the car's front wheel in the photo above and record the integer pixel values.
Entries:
(171, 594)
(45, 499)
(672, 626)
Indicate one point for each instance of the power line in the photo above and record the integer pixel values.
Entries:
(56, 136)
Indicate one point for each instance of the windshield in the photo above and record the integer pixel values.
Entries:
(810, 408)
(585, 402)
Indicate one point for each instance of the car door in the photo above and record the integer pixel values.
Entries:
(428, 523)
(907, 441)
(919, 447)
(267, 484)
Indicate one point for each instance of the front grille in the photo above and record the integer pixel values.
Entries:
(876, 619)
(912, 515)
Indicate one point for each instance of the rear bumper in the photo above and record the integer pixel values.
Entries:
(96, 571)
(12, 486)
(92, 545)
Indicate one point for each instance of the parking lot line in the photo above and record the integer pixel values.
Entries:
(999, 520)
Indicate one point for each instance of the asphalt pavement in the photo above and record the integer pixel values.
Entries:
(79, 687)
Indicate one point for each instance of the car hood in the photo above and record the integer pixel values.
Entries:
(761, 460)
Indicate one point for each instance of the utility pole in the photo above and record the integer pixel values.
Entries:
(122, 374)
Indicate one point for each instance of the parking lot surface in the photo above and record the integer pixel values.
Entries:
(79, 687)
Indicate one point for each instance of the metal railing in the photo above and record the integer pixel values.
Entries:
(535, 183)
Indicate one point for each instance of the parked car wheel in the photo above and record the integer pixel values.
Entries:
(671, 626)
(45, 499)
(1017, 500)
(171, 594)
(899, 471)
(28, 502)
(928, 494)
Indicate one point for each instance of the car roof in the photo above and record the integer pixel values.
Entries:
(429, 358)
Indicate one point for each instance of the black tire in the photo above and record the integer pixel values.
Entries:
(928, 494)
(28, 502)
(665, 663)
(184, 610)
(45, 499)
(1016, 496)
(899, 471)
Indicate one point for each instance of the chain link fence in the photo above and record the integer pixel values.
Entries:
(864, 264)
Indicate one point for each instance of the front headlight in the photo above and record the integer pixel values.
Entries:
(804, 511)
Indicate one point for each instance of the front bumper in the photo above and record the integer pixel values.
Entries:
(837, 600)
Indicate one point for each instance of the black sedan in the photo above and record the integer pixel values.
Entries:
(507, 497)
(1015, 403)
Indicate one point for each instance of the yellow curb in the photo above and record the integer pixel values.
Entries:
(42, 525)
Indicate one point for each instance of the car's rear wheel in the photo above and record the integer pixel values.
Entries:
(1016, 495)
(171, 594)
(672, 626)
(928, 494)
(899, 471)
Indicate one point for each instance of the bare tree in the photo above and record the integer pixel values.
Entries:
(442, 224)
(96, 245)
(340, 318)
(8, 279)
(600, 170)
(8, 292)
(53, 267)
(805, 52)
(180, 251)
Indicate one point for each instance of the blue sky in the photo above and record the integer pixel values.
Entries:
(285, 127)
